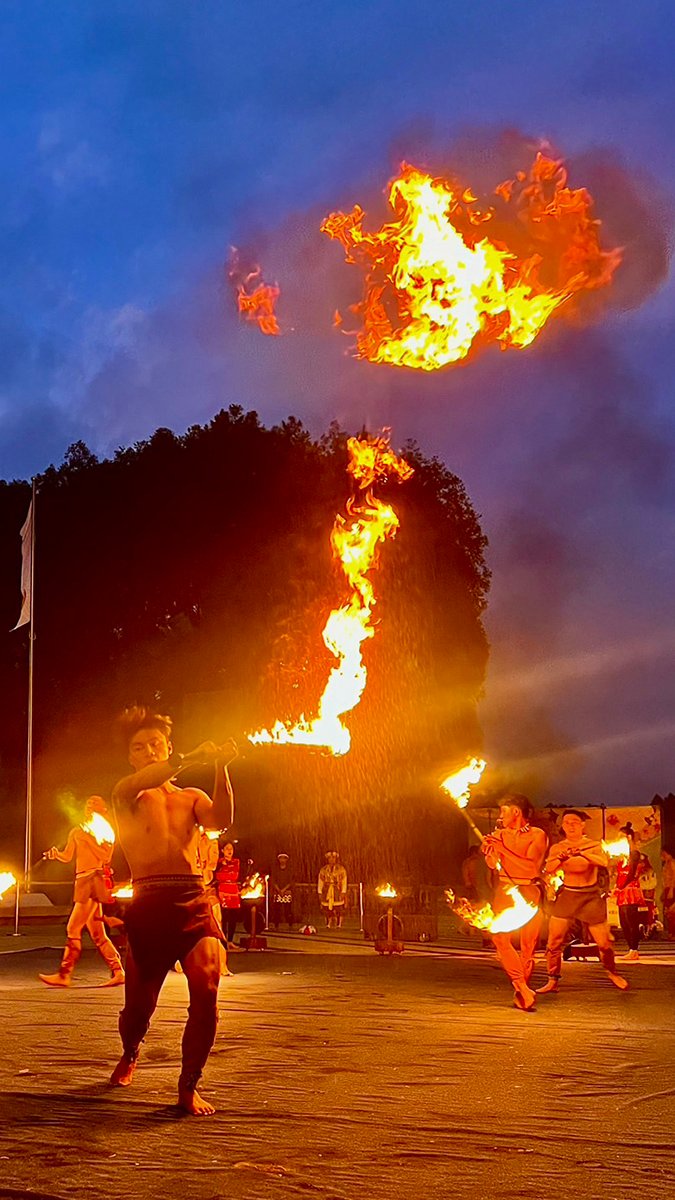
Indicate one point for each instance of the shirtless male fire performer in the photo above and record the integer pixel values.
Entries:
(579, 898)
(92, 860)
(170, 918)
(516, 852)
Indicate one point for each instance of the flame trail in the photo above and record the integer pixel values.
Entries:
(354, 542)
(618, 849)
(458, 785)
(256, 300)
(443, 276)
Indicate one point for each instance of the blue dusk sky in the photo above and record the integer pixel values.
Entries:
(140, 141)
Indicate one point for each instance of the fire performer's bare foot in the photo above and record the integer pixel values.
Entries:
(617, 980)
(524, 998)
(56, 980)
(551, 986)
(124, 1072)
(190, 1100)
(115, 980)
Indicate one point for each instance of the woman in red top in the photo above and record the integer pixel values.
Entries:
(227, 880)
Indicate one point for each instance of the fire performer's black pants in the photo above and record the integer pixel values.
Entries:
(629, 916)
(172, 920)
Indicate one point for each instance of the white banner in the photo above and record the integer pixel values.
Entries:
(26, 565)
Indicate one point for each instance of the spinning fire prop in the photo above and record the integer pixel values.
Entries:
(444, 275)
(354, 542)
(484, 916)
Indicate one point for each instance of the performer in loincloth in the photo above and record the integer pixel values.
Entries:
(579, 898)
(208, 854)
(516, 852)
(170, 918)
(93, 884)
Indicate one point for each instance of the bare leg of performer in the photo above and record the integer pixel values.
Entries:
(99, 937)
(600, 935)
(524, 997)
(202, 971)
(140, 1001)
(77, 921)
(557, 932)
(529, 938)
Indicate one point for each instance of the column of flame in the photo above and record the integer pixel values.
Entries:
(354, 542)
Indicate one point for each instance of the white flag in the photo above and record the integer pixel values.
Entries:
(26, 564)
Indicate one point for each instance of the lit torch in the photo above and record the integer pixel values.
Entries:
(458, 787)
(484, 917)
(354, 541)
(618, 849)
(7, 881)
(443, 276)
(100, 829)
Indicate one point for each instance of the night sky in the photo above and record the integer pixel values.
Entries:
(141, 141)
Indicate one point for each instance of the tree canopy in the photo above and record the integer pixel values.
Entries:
(194, 573)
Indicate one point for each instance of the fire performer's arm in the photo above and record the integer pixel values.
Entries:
(155, 774)
(223, 793)
(64, 855)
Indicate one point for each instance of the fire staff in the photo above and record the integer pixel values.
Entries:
(170, 918)
(579, 899)
(91, 844)
(516, 853)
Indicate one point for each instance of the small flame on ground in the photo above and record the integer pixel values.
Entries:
(253, 887)
(443, 275)
(484, 917)
(354, 542)
(386, 892)
(7, 881)
(458, 786)
(618, 849)
(99, 828)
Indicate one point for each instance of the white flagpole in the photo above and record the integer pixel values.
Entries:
(27, 854)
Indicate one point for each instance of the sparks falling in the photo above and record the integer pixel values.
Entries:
(444, 276)
(354, 541)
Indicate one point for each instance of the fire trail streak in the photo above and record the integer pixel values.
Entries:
(354, 542)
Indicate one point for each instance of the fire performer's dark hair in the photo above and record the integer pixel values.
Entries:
(576, 812)
(140, 717)
(518, 801)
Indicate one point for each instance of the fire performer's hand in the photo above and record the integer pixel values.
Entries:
(209, 752)
(51, 854)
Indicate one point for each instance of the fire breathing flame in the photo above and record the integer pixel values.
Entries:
(617, 849)
(484, 916)
(458, 786)
(386, 892)
(444, 276)
(354, 542)
(125, 892)
(253, 888)
(7, 881)
(99, 828)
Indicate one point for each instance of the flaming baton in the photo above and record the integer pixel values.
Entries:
(458, 787)
(354, 541)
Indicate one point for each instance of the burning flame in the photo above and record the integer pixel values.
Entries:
(386, 892)
(444, 276)
(618, 849)
(213, 834)
(7, 881)
(99, 828)
(256, 299)
(484, 917)
(458, 786)
(125, 892)
(253, 888)
(354, 542)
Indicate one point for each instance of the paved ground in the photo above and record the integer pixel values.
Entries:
(341, 1075)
